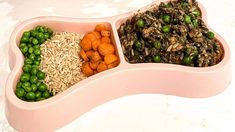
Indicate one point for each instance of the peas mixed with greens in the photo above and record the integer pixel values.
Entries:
(30, 86)
(172, 33)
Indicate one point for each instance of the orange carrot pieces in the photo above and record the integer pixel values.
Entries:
(90, 36)
(86, 69)
(95, 44)
(98, 51)
(86, 44)
(102, 67)
(96, 34)
(105, 33)
(94, 64)
(110, 58)
(89, 53)
(105, 49)
(95, 72)
(95, 56)
(106, 40)
(83, 55)
(112, 65)
(101, 27)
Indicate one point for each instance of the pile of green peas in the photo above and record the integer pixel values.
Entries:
(30, 86)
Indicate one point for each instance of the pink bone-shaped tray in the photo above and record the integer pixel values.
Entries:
(125, 79)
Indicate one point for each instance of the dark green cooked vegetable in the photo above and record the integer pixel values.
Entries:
(138, 44)
(157, 44)
(174, 32)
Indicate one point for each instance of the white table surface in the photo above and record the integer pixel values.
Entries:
(139, 113)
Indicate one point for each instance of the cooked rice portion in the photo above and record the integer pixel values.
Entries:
(61, 61)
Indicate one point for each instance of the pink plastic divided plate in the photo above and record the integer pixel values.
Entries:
(125, 79)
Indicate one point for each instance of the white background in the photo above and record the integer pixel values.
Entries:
(139, 113)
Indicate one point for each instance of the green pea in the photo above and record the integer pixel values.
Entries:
(34, 41)
(24, 39)
(40, 29)
(38, 94)
(187, 19)
(32, 56)
(30, 45)
(46, 35)
(21, 45)
(166, 29)
(19, 85)
(24, 49)
(196, 13)
(49, 31)
(30, 39)
(195, 23)
(30, 96)
(187, 60)
(33, 79)
(42, 87)
(34, 71)
(34, 87)
(28, 61)
(140, 23)
(40, 99)
(41, 75)
(136, 53)
(184, 5)
(166, 18)
(167, 5)
(38, 58)
(46, 94)
(157, 58)
(195, 53)
(28, 89)
(35, 66)
(26, 84)
(25, 77)
(210, 35)
(40, 36)
(34, 33)
(26, 34)
(36, 47)
(38, 83)
(27, 68)
(138, 44)
(41, 41)
(37, 63)
(37, 51)
(30, 50)
(157, 44)
(20, 92)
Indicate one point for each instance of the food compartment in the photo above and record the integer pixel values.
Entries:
(172, 32)
(62, 63)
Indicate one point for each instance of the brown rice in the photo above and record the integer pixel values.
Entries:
(61, 61)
